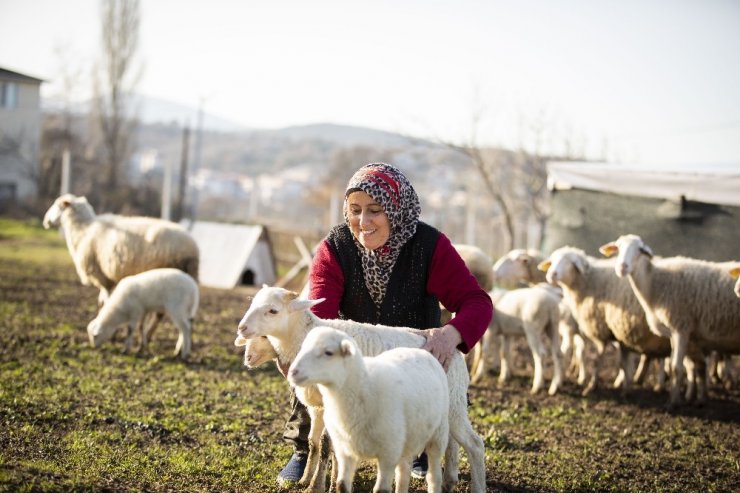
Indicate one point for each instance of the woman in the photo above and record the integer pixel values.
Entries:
(384, 266)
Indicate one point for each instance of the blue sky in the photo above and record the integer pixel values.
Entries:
(641, 81)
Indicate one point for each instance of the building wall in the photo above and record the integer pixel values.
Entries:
(20, 135)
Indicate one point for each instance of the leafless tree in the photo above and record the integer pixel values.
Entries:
(115, 80)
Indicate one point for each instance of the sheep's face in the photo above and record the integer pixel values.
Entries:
(322, 358)
(99, 333)
(564, 266)
(271, 313)
(257, 351)
(513, 268)
(628, 249)
(53, 216)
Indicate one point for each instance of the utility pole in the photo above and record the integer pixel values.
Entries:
(178, 212)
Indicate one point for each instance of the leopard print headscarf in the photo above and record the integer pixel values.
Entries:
(391, 189)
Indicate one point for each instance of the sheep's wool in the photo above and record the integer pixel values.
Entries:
(391, 189)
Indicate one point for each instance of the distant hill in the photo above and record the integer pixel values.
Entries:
(344, 135)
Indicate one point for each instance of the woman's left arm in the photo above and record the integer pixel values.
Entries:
(456, 288)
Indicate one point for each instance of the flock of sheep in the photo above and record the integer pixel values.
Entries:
(370, 390)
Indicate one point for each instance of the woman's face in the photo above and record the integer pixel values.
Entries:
(367, 220)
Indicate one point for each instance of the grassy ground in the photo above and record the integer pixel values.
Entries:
(77, 419)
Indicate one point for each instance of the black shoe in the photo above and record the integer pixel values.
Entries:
(293, 470)
(419, 466)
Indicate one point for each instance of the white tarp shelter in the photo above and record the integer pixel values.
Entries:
(680, 210)
(233, 254)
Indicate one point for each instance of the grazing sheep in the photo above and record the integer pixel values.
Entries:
(286, 320)
(604, 307)
(535, 313)
(106, 248)
(389, 407)
(686, 299)
(158, 290)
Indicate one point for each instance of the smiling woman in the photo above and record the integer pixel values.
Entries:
(385, 266)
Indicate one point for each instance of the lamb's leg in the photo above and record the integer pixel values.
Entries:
(314, 447)
(664, 368)
(403, 474)
(346, 466)
(184, 338)
(434, 453)
(479, 369)
(595, 366)
(579, 349)
(452, 464)
(557, 362)
(505, 355)
(625, 363)
(462, 432)
(147, 324)
(386, 467)
(679, 344)
(129, 338)
(641, 370)
(318, 479)
(535, 347)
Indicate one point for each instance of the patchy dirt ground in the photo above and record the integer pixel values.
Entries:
(77, 419)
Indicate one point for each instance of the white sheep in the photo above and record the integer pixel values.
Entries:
(389, 407)
(519, 268)
(108, 247)
(688, 300)
(286, 320)
(535, 313)
(158, 290)
(604, 307)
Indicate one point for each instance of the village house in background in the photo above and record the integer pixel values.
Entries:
(20, 134)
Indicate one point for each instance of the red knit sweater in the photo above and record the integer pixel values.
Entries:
(449, 280)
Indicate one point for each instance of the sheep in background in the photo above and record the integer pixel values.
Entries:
(604, 307)
(106, 248)
(519, 267)
(286, 320)
(535, 313)
(158, 290)
(388, 407)
(686, 299)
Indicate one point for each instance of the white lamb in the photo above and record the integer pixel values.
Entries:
(108, 247)
(158, 290)
(604, 307)
(389, 407)
(535, 313)
(286, 320)
(688, 300)
(519, 268)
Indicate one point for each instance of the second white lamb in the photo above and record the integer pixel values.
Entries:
(389, 407)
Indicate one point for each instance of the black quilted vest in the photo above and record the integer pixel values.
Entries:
(406, 302)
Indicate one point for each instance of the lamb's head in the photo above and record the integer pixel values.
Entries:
(629, 249)
(323, 357)
(99, 332)
(273, 312)
(70, 204)
(565, 265)
(257, 350)
(514, 267)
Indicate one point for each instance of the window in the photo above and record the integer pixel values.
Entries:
(9, 95)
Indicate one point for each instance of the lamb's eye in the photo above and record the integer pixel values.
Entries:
(272, 311)
(328, 353)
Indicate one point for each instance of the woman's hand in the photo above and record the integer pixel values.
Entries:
(442, 343)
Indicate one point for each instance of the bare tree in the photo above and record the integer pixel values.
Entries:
(119, 74)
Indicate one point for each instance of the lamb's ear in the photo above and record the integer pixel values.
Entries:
(544, 266)
(240, 341)
(297, 304)
(523, 258)
(646, 250)
(735, 273)
(346, 348)
(581, 264)
(609, 249)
